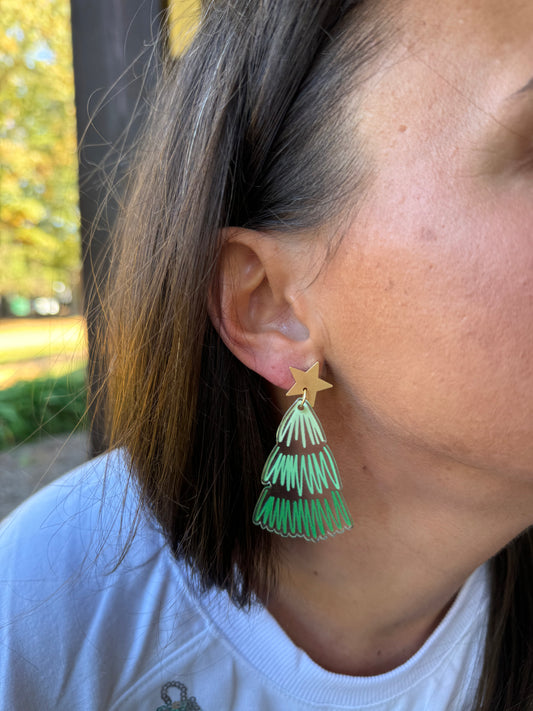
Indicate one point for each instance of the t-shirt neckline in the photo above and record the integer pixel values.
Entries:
(257, 638)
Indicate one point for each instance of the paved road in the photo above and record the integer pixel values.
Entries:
(28, 467)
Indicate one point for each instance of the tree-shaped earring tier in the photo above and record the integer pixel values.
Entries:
(303, 496)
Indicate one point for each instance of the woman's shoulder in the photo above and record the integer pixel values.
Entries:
(82, 514)
(89, 591)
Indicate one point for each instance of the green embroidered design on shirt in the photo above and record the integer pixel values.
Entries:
(185, 702)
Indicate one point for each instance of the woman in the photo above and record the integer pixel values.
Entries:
(345, 184)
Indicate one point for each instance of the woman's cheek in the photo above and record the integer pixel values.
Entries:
(435, 332)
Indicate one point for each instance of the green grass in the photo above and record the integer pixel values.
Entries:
(25, 352)
(39, 348)
(24, 339)
(45, 406)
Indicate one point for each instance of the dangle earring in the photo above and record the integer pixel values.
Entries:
(303, 496)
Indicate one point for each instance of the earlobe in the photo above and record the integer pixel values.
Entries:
(250, 309)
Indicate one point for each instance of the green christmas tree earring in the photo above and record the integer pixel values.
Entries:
(303, 496)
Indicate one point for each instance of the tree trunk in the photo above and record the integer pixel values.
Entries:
(115, 64)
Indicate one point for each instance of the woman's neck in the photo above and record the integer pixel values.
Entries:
(353, 620)
(363, 602)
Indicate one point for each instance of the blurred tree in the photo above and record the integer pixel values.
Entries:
(183, 18)
(39, 221)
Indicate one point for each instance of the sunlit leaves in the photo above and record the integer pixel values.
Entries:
(39, 219)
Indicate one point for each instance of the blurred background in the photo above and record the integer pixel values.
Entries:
(71, 74)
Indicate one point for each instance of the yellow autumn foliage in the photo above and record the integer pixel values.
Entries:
(39, 222)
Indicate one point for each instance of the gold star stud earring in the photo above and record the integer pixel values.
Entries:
(307, 382)
(302, 495)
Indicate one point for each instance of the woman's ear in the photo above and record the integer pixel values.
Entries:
(252, 309)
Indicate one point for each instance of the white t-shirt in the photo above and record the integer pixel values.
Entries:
(77, 632)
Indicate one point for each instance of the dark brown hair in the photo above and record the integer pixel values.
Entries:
(246, 130)
(507, 676)
(249, 128)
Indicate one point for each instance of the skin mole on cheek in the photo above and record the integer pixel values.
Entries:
(402, 128)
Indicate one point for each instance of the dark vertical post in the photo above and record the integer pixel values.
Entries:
(114, 70)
